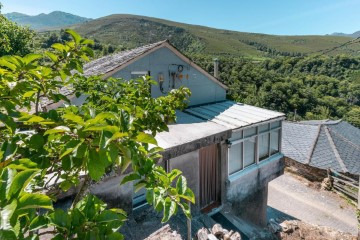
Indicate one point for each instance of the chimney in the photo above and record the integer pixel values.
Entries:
(216, 68)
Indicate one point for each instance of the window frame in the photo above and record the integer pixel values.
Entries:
(242, 140)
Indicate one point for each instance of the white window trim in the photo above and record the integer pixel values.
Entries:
(256, 136)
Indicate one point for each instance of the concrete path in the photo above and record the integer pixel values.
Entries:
(291, 198)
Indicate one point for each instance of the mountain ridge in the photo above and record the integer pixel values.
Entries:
(45, 21)
(134, 30)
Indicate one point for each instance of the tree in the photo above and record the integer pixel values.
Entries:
(14, 39)
(353, 116)
(45, 151)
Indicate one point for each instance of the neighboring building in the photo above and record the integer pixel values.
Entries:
(312, 147)
(228, 151)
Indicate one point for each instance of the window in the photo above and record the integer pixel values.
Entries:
(139, 74)
(263, 146)
(249, 151)
(274, 146)
(253, 145)
(235, 158)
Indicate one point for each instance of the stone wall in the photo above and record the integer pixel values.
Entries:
(311, 173)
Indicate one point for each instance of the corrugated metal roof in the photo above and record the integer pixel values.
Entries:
(233, 115)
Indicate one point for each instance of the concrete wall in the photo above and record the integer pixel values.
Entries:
(189, 164)
(115, 195)
(203, 89)
(246, 192)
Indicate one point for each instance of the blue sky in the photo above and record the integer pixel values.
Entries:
(282, 17)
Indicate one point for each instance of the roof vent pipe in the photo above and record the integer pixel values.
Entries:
(216, 68)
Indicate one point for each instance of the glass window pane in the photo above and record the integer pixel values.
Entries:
(236, 135)
(274, 142)
(275, 124)
(249, 132)
(263, 128)
(263, 146)
(235, 158)
(249, 152)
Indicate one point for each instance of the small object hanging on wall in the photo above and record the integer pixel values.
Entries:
(187, 76)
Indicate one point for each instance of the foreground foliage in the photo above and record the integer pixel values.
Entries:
(44, 150)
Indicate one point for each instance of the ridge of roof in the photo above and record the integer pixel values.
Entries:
(314, 145)
(110, 64)
(333, 147)
(112, 61)
(320, 122)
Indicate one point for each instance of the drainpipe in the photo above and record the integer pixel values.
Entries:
(216, 68)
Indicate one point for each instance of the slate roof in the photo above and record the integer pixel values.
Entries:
(323, 144)
(108, 63)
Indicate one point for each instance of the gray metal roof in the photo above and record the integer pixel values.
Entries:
(233, 115)
(187, 129)
(326, 143)
(108, 63)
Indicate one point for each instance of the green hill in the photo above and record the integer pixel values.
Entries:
(45, 21)
(131, 31)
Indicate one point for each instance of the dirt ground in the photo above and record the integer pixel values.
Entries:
(291, 197)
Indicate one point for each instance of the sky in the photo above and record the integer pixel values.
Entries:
(281, 17)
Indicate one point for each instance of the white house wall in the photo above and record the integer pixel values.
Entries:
(202, 88)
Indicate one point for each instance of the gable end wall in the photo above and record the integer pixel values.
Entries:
(202, 88)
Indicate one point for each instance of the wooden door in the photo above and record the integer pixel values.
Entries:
(209, 177)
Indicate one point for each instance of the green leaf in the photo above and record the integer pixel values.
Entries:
(61, 219)
(173, 174)
(95, 165)
(115, 236)
(59, 46)
(169, 209)
(34, 200)
(70, 147)
(31, 57)
(181, 185)
(59, 129)
(23, 164)
(35, 119)
(105, 115)
(38, 222)
(74, 35)
(36, 141)
(186, 209)
(7, 235)
(139, 185)
(130, 177)
(52, 56)
(73, 118)
(77, 217)
(109, 216)
(9, 122)
(29, 94)
(188, 195)
(5, 63)
(6, 213)
(146, 138)
(105, 127)
(20, 181)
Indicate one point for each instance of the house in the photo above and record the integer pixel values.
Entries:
(312, 147)
(228, 151)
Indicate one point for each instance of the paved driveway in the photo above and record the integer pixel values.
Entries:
(292, 199)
